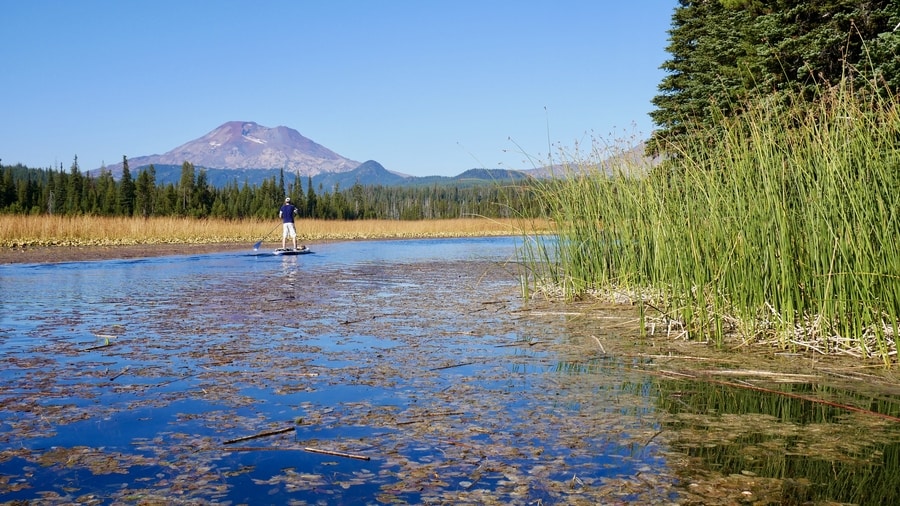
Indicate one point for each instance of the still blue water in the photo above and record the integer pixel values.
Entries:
(122, 380)
(145, 380)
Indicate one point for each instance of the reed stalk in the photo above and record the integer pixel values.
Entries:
(782, 228)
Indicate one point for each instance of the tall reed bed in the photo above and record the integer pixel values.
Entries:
(784, 227)
(22, 231)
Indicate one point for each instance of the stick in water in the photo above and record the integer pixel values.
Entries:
(337, 454)
(261, 434)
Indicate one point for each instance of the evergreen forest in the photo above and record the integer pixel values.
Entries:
(47, 191)
(725, 54)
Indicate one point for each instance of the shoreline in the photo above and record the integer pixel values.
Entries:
(87, 253)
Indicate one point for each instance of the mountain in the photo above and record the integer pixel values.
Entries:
(244, 152)
(237, 145)
(368, 174)
(471, 177)
(372, 173)
(504, 175)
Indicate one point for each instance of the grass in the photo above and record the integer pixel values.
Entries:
(28, 231)
(783, 228)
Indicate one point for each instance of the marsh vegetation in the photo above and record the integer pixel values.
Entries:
(19, 231)
(778, 226)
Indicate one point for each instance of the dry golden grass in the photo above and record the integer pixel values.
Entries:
(21, 231)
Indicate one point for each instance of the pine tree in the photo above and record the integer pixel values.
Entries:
(203, 198)
(106, 193)
(126, 191)
(145, 190)
(311, 204)
(186, 187)
(725, 53)
(73, 189)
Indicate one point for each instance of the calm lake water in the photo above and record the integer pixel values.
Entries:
(387, 372)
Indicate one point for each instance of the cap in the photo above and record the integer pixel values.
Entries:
(288, 199)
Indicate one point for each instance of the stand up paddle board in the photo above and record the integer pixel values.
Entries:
(290, 251)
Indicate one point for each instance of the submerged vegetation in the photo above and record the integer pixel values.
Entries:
(780, 227)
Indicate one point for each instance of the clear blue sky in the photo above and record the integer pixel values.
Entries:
(424, 87)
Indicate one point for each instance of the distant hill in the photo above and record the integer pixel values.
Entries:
(370, 173)
(492, 174)
(631, 160)
(472, 177)
(367, 174)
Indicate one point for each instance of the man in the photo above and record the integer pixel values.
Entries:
(286, 213)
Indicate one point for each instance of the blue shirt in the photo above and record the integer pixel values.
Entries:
(287, 213)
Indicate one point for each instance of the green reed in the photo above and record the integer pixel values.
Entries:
(783, 226)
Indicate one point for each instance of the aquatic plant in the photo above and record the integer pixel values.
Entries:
(781, 226)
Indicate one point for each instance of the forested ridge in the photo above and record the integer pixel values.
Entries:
(25, 190)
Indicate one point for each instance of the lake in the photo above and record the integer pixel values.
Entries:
(405, 371)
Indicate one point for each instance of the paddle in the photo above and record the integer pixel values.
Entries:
(259, 243)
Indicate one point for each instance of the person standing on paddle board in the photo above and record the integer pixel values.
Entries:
(286, 213)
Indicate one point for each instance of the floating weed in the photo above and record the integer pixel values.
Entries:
(458, 392)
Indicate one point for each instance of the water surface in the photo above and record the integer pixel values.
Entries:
(416, 364)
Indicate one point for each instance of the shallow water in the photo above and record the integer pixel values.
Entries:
(417, 362)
